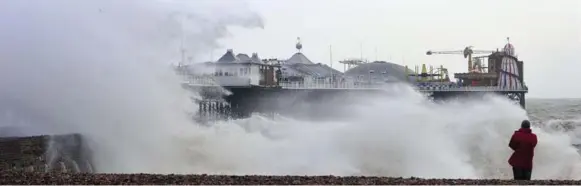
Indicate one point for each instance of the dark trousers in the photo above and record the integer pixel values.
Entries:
(521, 174)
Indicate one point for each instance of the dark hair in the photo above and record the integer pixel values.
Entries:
(525, 124)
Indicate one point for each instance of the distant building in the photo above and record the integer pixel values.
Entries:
(379, 71)
(298, 65)
(242, 70)
(236, 70)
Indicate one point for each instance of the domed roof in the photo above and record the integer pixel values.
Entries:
(299, 58)
(509, 49)
(380, 70)
(243, 57)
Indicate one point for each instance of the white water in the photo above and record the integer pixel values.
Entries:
(100, 68)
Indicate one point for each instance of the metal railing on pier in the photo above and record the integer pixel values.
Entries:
(201, 81)
(210, 81)
(325, 85)
(426, 88)
(469, 88)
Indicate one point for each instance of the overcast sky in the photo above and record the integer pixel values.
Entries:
(545, 33)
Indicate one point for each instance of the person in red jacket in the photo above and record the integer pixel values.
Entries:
(523, 143)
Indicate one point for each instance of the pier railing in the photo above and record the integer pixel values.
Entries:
(441, 87)
(211, 81)
(320, 85)
(201, 81)
(471, 89)
(218, 81)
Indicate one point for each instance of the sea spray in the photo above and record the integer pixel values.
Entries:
(100, 68)
(405, 135)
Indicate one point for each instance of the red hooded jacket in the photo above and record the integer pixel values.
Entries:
(523, 143)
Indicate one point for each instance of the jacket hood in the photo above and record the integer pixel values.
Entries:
(524, 130)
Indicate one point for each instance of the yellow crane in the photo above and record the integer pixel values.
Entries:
(467, 52)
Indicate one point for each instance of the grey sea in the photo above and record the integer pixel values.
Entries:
(564, 111)
(558, 114)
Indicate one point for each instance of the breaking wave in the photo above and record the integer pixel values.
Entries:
(406, 135)
(101, 68)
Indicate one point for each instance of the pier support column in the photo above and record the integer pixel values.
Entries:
(522, 100)
(518, 97)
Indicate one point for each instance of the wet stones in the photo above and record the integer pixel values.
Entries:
(38, 178)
